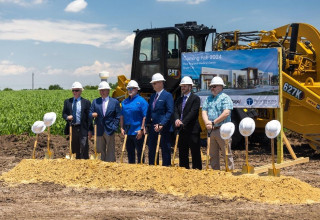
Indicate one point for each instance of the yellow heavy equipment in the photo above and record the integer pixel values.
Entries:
(159, 50)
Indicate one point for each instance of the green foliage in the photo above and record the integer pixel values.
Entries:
(20, 109)
(113, 85)
(90, 87)
(7, 89)
(55, 87)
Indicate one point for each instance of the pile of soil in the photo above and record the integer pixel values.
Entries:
(166, 180)
(48, 200)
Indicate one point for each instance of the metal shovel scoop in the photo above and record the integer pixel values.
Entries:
(70, 156)
(48, 154)
(95, 156)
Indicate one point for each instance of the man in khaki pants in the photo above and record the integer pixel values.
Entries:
(216, 110)
(106, 111)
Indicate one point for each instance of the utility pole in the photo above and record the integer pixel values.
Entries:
(32, 81)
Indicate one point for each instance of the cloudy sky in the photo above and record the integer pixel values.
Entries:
(62, 41)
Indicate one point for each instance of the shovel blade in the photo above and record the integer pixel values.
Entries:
(71, 157)
(48, 155)
(274, 172)
(95, 156)
(247, 169)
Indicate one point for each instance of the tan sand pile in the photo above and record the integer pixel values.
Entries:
(176, 181)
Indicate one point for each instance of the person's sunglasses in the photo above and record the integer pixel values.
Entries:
(75, 90)
(212, 87)
(130, 89)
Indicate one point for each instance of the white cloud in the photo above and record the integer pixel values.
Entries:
(8, 68)
(97, 67)
(190, 2)
(76, 6)
(70, 32)
(23, 3)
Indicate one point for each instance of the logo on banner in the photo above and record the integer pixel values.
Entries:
(249, 101)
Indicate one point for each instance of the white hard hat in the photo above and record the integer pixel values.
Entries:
(38, 127)
(133, 84)
(157, 77)
(77, 85)
(104, 75)
(247, 126)
(186, 81)
(273, 128)
(104, 85)
(226, 130)
(49, 118)
(217, 80)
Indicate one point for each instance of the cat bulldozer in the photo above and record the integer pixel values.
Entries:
(159, 50)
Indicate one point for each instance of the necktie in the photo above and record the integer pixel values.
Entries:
(104, 107)
(74, 111)
(154, 101)
(183, 104)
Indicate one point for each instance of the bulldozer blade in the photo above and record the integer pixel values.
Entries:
(273, 172)
(247, 169)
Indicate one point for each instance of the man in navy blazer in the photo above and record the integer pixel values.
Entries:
(106, 111)
(76, 111)
(160, 111)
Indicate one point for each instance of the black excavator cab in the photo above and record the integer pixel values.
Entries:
(158, 50)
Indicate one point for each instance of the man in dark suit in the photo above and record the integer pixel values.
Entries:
(76, 112)
(160, 110)
(106, 111)
(186, 115)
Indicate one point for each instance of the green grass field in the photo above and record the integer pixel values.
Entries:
(20, 109)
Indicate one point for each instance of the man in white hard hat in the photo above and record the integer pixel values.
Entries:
(160, 111)
(216, 110)
(76, 112)
(106, 111)
(132, 121)
(186, 113)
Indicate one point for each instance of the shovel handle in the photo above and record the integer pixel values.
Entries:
(157, 149)
(123, 147)
(175, 148)
(70, 138)
(144, 147)
(226, 157)
(34, 147)
(208, 152)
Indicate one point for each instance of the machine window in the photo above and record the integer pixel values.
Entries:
(173, 56)
(150, 49)
(193, 44)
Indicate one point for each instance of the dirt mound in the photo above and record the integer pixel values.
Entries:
(175, 181)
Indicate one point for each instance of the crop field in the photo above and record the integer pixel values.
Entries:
(20, 109)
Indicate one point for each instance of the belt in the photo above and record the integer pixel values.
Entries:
(76, 125)
(215, 128)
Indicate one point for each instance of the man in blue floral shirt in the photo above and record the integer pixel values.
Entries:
(216, 110)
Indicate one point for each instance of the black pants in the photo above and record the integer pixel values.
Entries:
(132, 145)
(79, 144)
(188, 140)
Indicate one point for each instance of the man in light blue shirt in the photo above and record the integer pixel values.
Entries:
(133, 115)
(216, 110)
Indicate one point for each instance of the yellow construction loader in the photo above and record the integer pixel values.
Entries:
(159, 50)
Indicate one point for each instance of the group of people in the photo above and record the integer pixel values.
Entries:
(161, 116)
